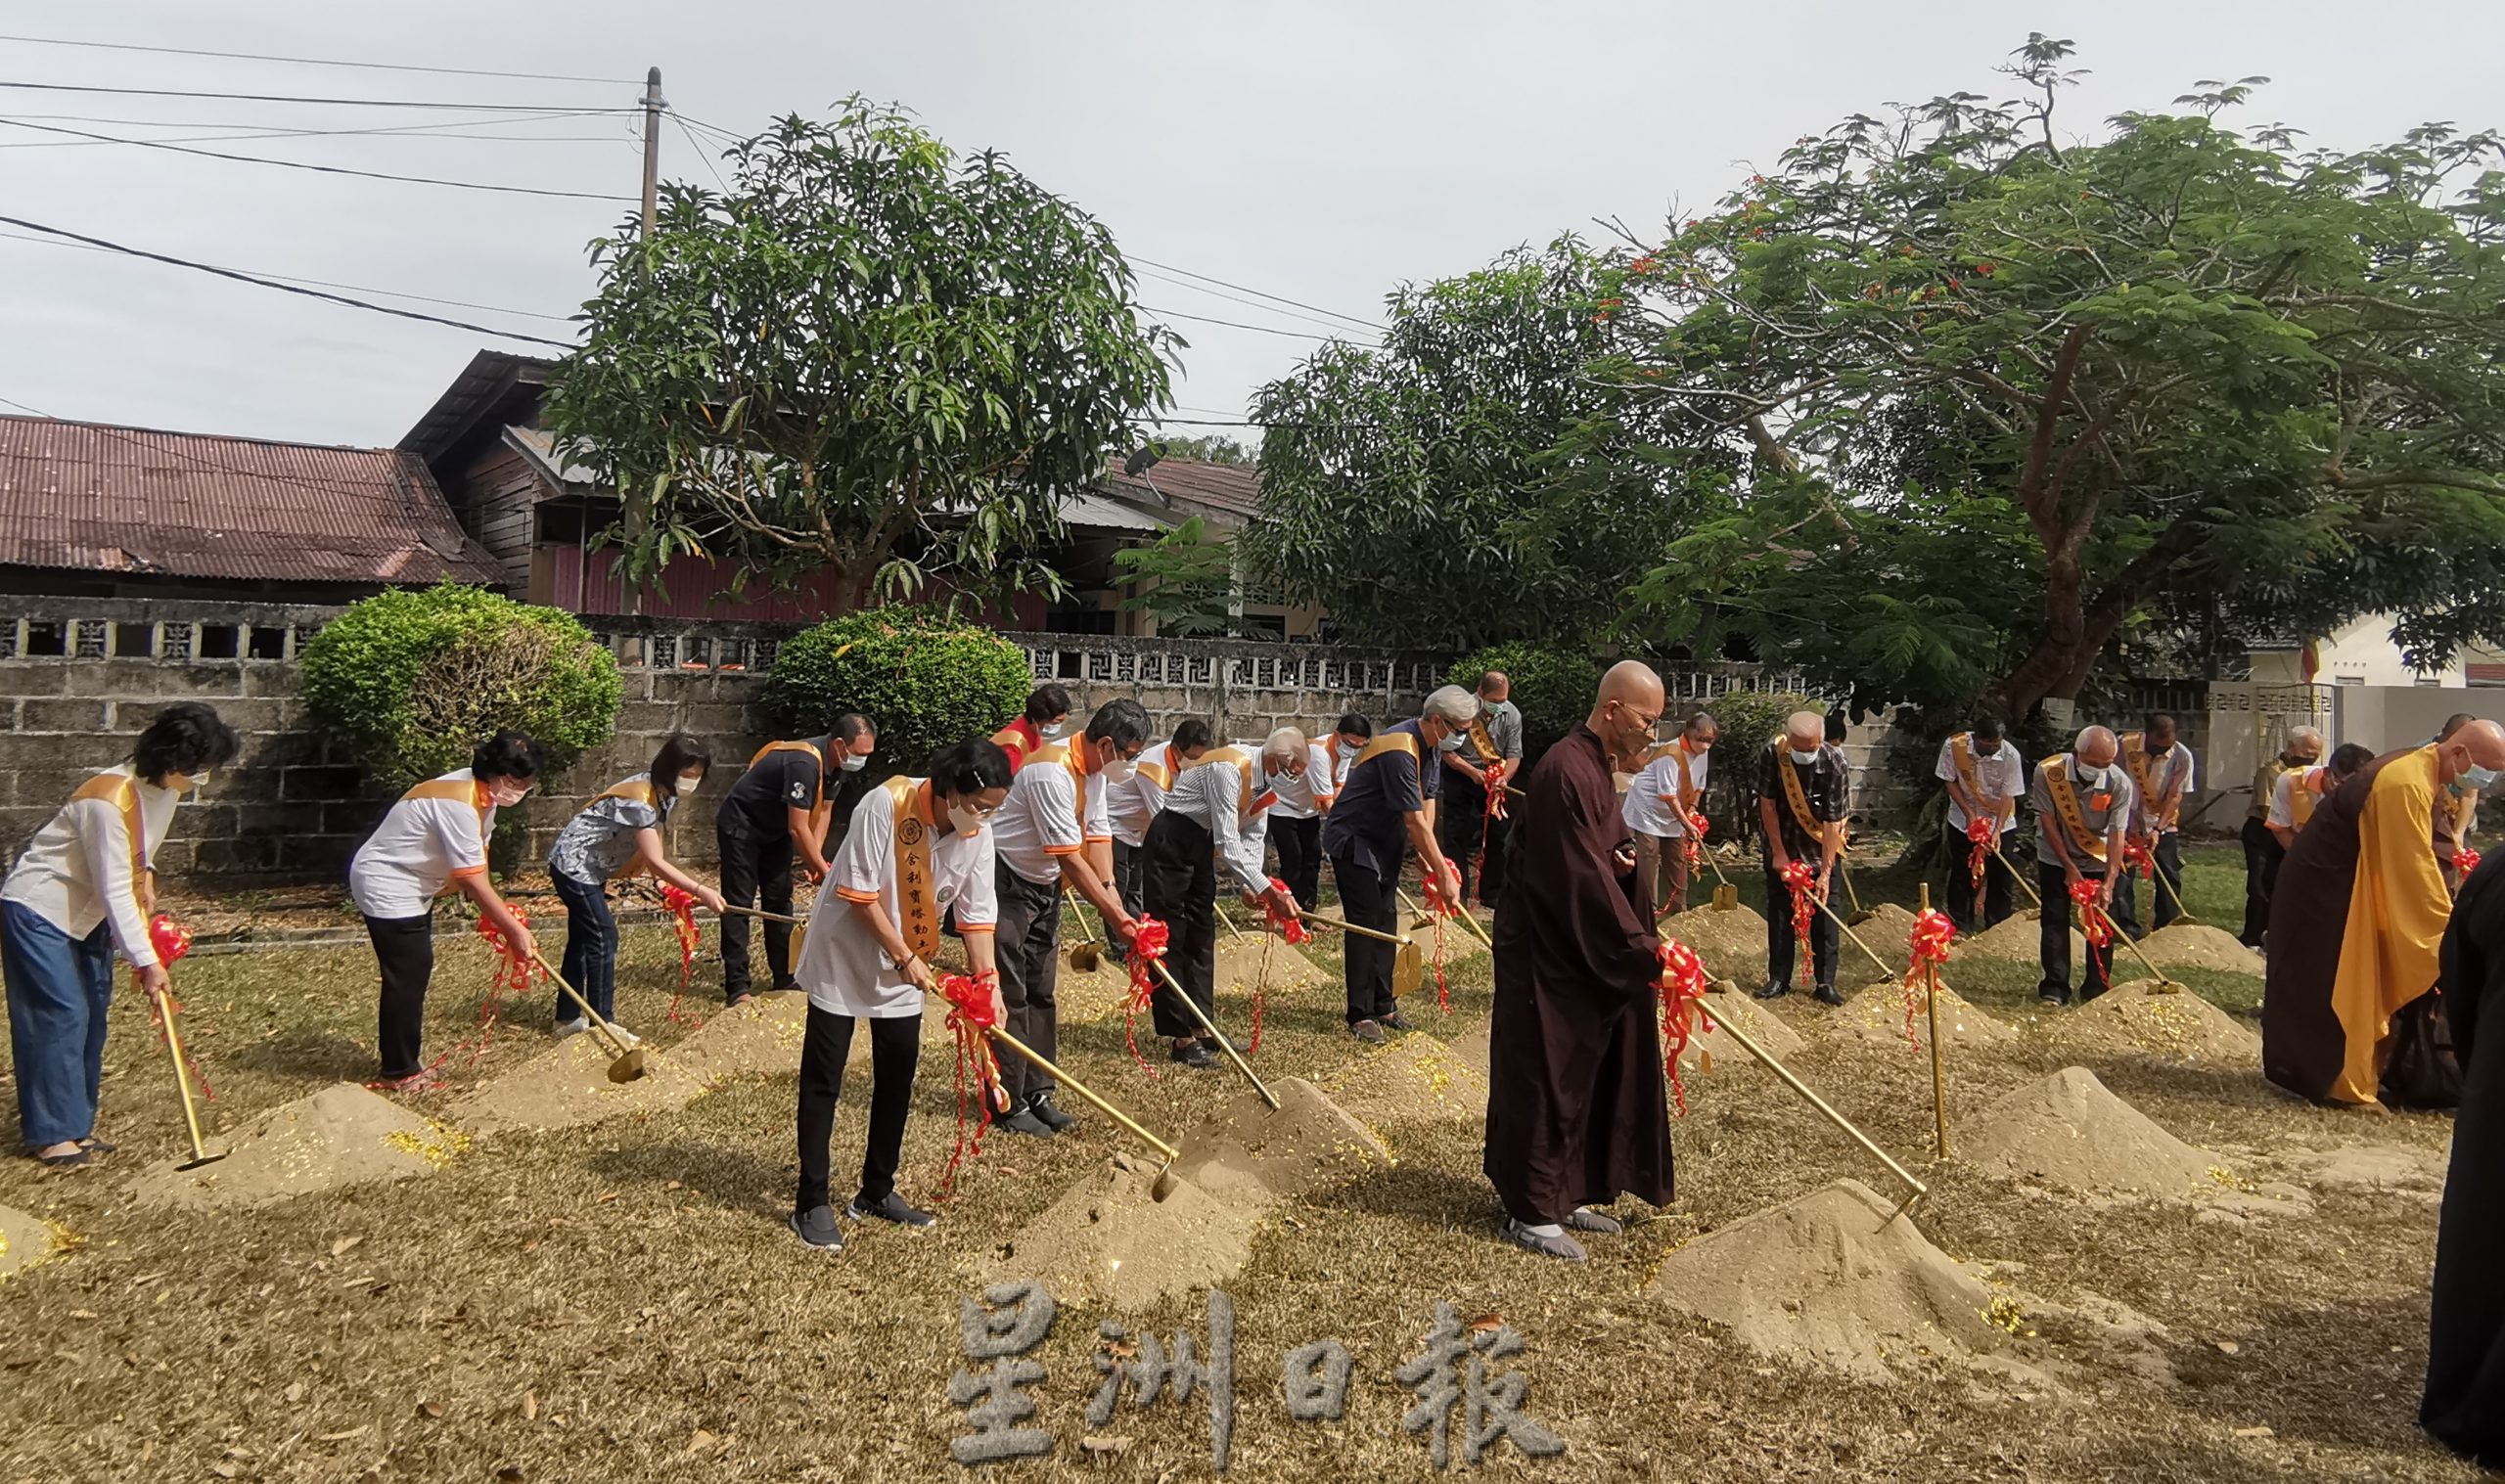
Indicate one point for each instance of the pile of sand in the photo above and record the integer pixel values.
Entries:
(1241, 965)
(2372, 1170)
(1731, 943)
(25, 1241)
(1459, 941)
(1878, 1015)
(1830, 1279)
(2019, 938)
(2175, 1023)
(2069, 1131)
(1416, 1076)
(1472, 1046)
(343, 1135)
(1108, 1241)
(1095, 995)
(1764, 1027)
(1889, 933)
(761, 1037)
(1307, 1144)
(2187, 945)
(568, 1085)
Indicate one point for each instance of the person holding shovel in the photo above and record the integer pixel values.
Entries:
(434, 840)
(619, 832)
(2161, 772)
(2264, 846)
(2084, 800)
(1384, 802)
(778, 809)
(1804, 790)
(1214, 812)
(1132, 808)
(1669, 787)
(1985, 778)
(916, 847)
(81, 891)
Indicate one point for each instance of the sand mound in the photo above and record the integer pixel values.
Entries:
(2069, 1131)
(2186, 945)
(1754, 1021)
(568, 1085)
(1878, 1015)
(2371, 1169)
(1471, 1046)
(2177, 1024)
(1310, 1142)
(1828, 1280)
(1416, 1076)
(343, 1135)
(1890, 934)
(25, 1241)
(2019, 939)
(763, 1036)
(1240, 963)
(1097, 995)
(1459, 941)
(1111, 1241)
(1731, 943)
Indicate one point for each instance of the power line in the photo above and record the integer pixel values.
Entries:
(1237, 299)
(283, 288)
(1300, 334)
(319, 283)
(345, 103)
(399, 131)
(702, 153)
(298, 164)
(1274, 298)
(381, 67)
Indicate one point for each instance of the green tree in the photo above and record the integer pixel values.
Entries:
(869, 355)
(1186, 578)
(1411, 490)
(2001, 399)
(1212, 449)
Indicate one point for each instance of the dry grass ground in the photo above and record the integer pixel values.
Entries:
(622, 1301)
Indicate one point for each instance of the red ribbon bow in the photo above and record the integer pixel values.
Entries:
(1803, 879)
(173, 940)
(1290, 923)
(2464, 861)
(969, 1018)
(1980, 832)
(680, 904)
(2136, 857)
(1144, 950)
(1682, 987)
(1932, 934)
(1694, 845)
(2094, 925)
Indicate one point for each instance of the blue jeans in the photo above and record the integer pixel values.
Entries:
(591, 947)
(59, 988)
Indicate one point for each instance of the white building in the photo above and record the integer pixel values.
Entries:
(2360, 652)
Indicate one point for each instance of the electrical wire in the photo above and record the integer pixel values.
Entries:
(1235, 299)
(1274, 298)
(320, 282)
(345, 103)
(283, 288)
(704, 151)
(1300, 334)
(400, 131)
(298, 164)
(380, 66)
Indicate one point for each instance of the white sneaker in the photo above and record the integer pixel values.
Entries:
(566, 1028)
(625, 1037)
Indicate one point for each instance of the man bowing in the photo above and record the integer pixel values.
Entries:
(1577, 1115)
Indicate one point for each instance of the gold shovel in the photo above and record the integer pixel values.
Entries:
(1401, 940)
(1860, 915)
(1085, 954)
(629, 1063)
(1166, 1179)
(183, 1085)
(1223, 1044)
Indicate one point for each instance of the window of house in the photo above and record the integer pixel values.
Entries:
(134, 640)
(219, 640)
(47, 637)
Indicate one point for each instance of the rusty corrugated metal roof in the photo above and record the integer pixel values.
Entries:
(1226, 492)
(94, 497)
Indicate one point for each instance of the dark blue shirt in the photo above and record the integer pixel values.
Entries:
(1367, 822)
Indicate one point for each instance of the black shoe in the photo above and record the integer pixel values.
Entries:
(786, 986)
(1021, 1119)
(1774, 992)
(1240, 1046)
(816, 1227)
(1368, 1031)
(1193, 1054)
(2054, 1001)
(1048, 1113)
(1826, 995)
(890, 1207)
(1392, 1021)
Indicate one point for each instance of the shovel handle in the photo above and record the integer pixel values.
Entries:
(1223, 1044)
(1849, 934)
(2019, 875)
(1916, 1187)
(617, 1046)
(1037, 1060)
(1476, 931)
(1397, 940)
(182, 1075)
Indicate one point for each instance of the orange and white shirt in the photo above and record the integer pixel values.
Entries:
(1054, 809)
(841, 965)
(434, 836)
(82, 868)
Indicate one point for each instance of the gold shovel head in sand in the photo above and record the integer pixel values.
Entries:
(1408, 968)
(1085, 955)
(1726, 898)
(628, 1067)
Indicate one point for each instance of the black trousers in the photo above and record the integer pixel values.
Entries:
(756, 873)
(1027, 948)
(2054, 944)
(1182, 893)
(1460, 823)
(1998, 883)
(1369, 899)
(1825, 940)
(2167, 852)
(404, 948)
(895, 1047)
(1300, 843)
(1130, 867)
(2262, 854)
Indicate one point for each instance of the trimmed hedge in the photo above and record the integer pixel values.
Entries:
(1553, 688)
(924, 681)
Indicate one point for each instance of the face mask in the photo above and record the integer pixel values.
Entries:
(854, 762)
(1120, 770)
(1450, 743)
(1349, 752)
(504, 793)
(967, 821)
(1805, 759)
(2089, 777)
(689, 781)
(1056, 732)
(187, 783)
(2477, 778)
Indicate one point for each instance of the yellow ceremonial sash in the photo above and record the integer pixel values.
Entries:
(1801, 813)
(2301, 797)
(1058, 752)
(822, 807)
(122, 793)
(2057, 783)
(1386, 742)
(916, 899)
(1961, 754)
(1676, 748)
(1242, 761)
(453, 789)
(635, 791)
(1480, 743)
(2135, 757)
(1017, 740)
(1157, 769)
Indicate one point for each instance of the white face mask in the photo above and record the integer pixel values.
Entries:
(2090, 777)
(688, 782)
(1450, 743)
(1120, 770)
(1349, 752)
(853, 762)
(968, 820)
(187, 783)
(505, 793)
(1805, 759)
(1056, 732)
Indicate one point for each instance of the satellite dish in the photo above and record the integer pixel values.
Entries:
(1140, 463)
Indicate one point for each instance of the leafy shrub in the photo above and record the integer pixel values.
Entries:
(1748, 720)
(410, 681)
(925, 681)
(1553, 687)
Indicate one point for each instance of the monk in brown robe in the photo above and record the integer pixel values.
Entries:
(2356, 917)
(1576, 1113)
(2464, 1406)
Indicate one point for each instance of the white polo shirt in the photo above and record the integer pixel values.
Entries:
(1998, 776)
(1212, 793)
(1652, 804)
(841, 965)
(1133, 807)
(76, 872)
(1050, 813)
(1304, 798)
(421, 847)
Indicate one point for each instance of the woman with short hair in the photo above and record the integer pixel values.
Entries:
(619, 833)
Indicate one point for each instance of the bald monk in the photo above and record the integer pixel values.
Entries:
(1577, 1115)
(2455, 813)
(2356, 919)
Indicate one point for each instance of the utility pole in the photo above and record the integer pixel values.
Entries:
(632, 511)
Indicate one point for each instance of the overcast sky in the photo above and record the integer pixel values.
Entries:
(1323, 152)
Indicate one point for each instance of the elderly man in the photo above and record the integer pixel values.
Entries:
(1463, 825)
(780, 808)
(1985, 778)
(2357, 922)
(1577, 1115)
(1383, 802)
(1214, 813)
(1804, 790)
(2263, 850)
(2161, 772)
(1669, 787)
(1304, 795)
(2300, 791)
(2458, 811)
(2083, 801)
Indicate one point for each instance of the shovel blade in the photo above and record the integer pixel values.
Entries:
(1084, 957)
(1408, 969)
(628, 1067)
(194, 1164)
(1726, 897)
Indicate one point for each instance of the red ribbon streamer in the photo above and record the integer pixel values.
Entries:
(680, 904)
(1438, 907)
(1980, 832)
(969, 1018)
(1146, 949)
(1682, 987)
(1932, 934)
(1694, 843)
(1803, 879)
(2094, 925)
(173, 940)
(1292, 927)
(514, 972)
(1495, 810)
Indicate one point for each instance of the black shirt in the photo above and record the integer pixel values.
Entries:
(1828, 782)
(778, 782)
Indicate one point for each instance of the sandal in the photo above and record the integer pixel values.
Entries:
(94, 1145)
(63, 1161)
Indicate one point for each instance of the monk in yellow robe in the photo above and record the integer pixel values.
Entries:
(2358, 915)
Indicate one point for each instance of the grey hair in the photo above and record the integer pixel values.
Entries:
(1287, 741)
(2299, 734)
(1802, 723)
(2089, 735)
(1452, 706)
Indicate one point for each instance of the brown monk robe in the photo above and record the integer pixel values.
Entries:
(2355, 917)
(2464, 1406)
(1576, 1113)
